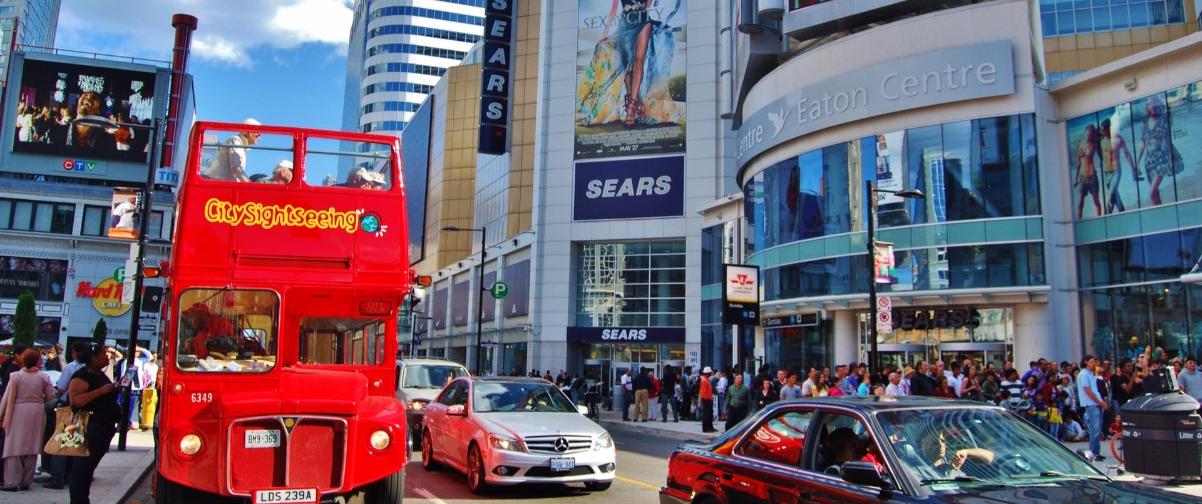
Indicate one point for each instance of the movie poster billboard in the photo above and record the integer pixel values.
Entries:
(54, 95)
(630, 78)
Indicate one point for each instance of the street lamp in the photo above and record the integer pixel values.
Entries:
(480, 294)
(870, 192)
(131, 346)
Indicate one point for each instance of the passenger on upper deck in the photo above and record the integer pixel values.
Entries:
(231, 156)
(365, 179)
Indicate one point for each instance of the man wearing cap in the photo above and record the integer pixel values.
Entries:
(231, 156)
(706, 394)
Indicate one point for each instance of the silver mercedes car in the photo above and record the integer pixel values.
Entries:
(509, 431)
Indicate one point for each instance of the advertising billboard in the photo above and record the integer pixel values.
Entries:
(517, 276)
(45, 278)
(123, 214)
(629, 189)
(630, 78)
(53, 95)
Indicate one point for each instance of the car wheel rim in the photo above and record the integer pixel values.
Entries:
(473, 470)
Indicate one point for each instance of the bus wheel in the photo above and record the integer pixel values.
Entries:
(167, 491)
(387, 490)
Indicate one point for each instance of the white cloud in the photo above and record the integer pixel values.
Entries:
(227, 30)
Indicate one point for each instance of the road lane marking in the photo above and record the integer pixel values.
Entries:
(429, 496)
(637, 483)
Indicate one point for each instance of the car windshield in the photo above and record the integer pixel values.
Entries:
(433, 377)
(521, 397)
(952, 447)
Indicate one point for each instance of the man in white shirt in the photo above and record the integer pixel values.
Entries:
(230, 163)
(720, 393)
(955, 380)
(811, 383)
(894, 389)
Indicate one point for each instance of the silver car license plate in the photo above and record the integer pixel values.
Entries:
(563, 464)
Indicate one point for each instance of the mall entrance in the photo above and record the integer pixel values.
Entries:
(950, 334)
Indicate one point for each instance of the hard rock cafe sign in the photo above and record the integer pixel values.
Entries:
(105, 296)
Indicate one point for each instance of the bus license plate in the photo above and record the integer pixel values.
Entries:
(263, 439)
(285, 496)
(563, 464)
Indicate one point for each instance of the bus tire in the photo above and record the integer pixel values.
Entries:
(167, 491)
(388, 490)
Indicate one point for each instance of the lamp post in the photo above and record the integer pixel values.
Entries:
(480, 294)
(140, 257)
(870, 192)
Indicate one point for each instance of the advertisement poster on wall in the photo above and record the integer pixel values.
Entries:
(630, 78)
(629, 189)
(45, 278)
(53, 95)
(123, 214)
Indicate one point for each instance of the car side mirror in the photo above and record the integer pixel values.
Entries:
(456, 410)
(863, 473)
(583, 410)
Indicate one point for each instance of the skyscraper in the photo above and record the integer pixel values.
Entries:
(398, 50)
(36, 22)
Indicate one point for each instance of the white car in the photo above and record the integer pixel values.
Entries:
(509, 431)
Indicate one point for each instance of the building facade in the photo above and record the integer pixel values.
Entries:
(398, 51)
(1078, 36)
(59, 192)
(1030, 241)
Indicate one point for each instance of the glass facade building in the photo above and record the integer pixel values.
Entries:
(1136, 169)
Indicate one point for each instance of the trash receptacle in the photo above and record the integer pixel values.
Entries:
(1162, 436)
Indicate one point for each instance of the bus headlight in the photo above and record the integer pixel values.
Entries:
(380, 440)
(189, 444)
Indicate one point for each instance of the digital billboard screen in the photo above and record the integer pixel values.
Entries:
(53, 95)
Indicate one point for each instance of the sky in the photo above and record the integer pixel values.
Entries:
(279, 61)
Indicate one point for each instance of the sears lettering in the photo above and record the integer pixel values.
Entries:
(494, 110)
(617, 188)
(624, 334)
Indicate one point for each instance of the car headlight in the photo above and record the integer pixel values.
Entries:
(189, 444)
(416, 405)
(505, 443)
(380, 440)
(604, 442)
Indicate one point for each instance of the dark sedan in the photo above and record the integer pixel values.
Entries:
(870, 449)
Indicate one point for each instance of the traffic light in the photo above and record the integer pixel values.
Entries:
(152, 299)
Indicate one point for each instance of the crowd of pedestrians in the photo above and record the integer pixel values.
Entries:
(36, 381)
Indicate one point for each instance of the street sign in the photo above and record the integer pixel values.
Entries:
(119, 274)
(884, 314)
(499, 290)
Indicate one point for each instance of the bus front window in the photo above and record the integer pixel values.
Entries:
(227, 330)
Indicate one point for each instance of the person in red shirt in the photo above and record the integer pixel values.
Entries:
(207, 328)
(705, 392)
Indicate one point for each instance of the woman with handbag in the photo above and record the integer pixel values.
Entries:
(24, 419)
(91, 390)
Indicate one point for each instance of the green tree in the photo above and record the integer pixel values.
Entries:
(100, 332)
(25, 322)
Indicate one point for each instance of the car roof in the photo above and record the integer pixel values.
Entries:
(428, 362)
(508, 379)
(875, 403)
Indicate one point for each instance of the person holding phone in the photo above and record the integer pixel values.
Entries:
(91, 390)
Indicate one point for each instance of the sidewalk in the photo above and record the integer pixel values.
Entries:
(691, 431)
(119, 472)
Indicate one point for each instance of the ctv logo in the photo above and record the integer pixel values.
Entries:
(79, 165)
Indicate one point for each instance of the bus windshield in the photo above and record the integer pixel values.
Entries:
(227, 330)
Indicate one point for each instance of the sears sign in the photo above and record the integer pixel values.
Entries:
(629, 188)
(495, 77)
(626, 334)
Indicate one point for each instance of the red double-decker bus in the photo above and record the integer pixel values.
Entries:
(289, 264)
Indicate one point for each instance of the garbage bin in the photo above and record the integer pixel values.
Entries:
(1162, 436)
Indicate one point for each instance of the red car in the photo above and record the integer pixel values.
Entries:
(867, 449)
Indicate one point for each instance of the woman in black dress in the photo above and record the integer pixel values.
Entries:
(91, 390)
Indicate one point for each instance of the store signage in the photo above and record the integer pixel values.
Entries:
(741, 295)
(495, 77)
(626, 334)
(931, 78)
(83, 166)
(105, 296)
(801, 320)
(166, 176)
(939, 318)
(629, 189)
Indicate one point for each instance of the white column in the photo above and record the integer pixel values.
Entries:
(1034, 335)
(846, 338)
